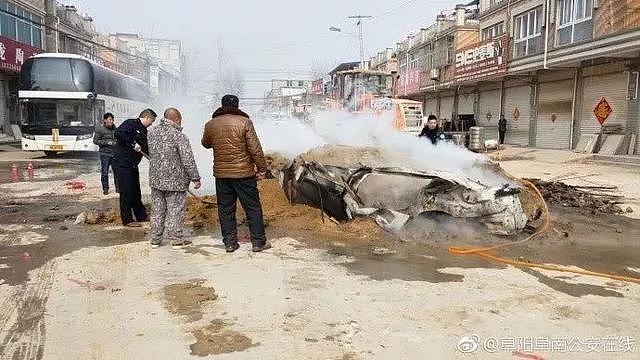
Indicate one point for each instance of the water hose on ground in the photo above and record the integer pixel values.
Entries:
(483, 252)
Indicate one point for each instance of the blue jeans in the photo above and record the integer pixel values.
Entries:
(106, 161)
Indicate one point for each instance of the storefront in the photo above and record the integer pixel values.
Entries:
(466, 101)
(606, 84)
(517, 111)
(12, 56)
(430, 106)
(446, 106)
(555, 106)
(489, 110)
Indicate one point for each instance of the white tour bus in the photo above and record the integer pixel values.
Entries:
(64, 96)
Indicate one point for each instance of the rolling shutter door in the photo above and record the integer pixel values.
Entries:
(612, 87)
(465, 103)
(446, 107)
(517, 97)
(430, 107)
(555, 100)
(489, 112)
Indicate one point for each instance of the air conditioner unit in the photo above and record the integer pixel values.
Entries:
(434, 74)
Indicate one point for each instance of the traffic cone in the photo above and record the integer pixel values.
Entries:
(30, 171)
(14, 173)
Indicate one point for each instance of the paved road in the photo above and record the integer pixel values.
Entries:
(94, 292)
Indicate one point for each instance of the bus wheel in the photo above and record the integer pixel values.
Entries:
(50, 153)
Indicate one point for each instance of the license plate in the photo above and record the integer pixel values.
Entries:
(56, 147)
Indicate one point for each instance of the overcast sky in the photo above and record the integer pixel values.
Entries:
(267, 39)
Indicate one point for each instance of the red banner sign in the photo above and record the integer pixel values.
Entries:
(602, 111)
(13, 54)
(408, 81)
(317, 87)
(487, 58)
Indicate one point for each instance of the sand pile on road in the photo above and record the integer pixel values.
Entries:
(280, 214)
(346, 156)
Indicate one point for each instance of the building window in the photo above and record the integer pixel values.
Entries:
(493, 31)
(574, 21)
(19, 24)
(528, 33)
(493, 3)
(414, 61)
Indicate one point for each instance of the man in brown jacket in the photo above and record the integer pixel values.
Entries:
(236, 155)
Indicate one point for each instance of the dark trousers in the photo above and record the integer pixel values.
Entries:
(502, 134)
(130, 196)
(228, 192)
(106, 161)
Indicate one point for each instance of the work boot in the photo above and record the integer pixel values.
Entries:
(105, 192)
(177, 245)
(262, 248)
(231, 248)
(155, 244)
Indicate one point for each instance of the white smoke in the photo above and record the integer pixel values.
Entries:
(291, 137)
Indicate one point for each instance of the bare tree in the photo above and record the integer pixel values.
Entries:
(319, 69)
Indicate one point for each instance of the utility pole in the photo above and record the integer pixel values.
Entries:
(361, 35)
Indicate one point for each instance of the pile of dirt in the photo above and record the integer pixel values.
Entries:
(101, 217)
(345, 156)
(595, 200)
(282, 215)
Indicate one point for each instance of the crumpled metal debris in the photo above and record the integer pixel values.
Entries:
(392, 196)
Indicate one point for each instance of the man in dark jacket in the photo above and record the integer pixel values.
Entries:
(105, 138)
(132, 144)
(171, 169)
(237, 153)
(502, 128)
(432, 130)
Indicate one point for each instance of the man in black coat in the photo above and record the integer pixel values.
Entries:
(105, 138)
(502, 128)
(132, 144)
(432, 131)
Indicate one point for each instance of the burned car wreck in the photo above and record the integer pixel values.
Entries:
(391, 196)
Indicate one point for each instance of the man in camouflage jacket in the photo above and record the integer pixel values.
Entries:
(171, 169)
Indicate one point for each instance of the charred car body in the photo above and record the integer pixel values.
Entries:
(391, 196)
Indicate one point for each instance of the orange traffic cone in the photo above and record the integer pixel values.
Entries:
(14, 173)
(30, 171)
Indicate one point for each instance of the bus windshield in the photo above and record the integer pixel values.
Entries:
(72, 117)
(56, 74)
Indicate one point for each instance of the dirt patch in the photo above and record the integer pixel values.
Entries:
(188, 299)
(215, 339)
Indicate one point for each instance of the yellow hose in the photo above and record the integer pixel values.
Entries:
(483, 252)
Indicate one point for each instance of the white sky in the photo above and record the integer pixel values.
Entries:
(267, 39)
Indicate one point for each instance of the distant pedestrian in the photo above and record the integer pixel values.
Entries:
(237, 153)
(432, 131)
(105, 138)
(502, 128)
(132, 143)
(172, 168)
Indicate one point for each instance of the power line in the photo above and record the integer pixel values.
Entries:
(394, 9)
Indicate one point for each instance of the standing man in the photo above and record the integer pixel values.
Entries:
(432, 131)
(106, 140)
(237, 153)
(502, 128)
(171, 169)
(132, 143)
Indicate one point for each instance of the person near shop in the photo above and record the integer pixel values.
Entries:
(238, 163)
(172, 168)
(502, 128)
(105, 138)
(432, 130)
(131, 137)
